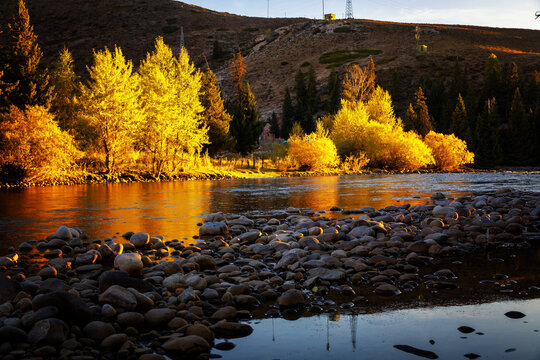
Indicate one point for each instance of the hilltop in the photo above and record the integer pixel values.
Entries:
(274, 48)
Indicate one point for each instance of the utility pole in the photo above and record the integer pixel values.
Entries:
(181, 38)
(267, 8)
(323, 10)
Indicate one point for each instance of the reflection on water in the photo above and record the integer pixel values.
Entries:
(172, 209)
(373, 336)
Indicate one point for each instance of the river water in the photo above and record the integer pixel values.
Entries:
(173, 209)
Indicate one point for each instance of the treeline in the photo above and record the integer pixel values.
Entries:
(364, 130)
(156, 119)
(500, 121)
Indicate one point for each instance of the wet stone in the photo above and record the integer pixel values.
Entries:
(418, 352)
(515, 314)
(465, 329)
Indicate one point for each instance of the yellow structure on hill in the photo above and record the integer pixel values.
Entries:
(329, 17)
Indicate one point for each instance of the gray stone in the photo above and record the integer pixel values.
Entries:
(158, 317)
(231, 330)
(213, 228)
(48, 331)
(70, 306)
(63, 232)
(130, 318)
(361, 231)
(129, 262)
(114, 341)
(12, 334)
(122, 278)
(98, 330)
(291, 297)
(327, 274)
(139, 239)
(9, 288)
(187, 346)
(174, 282)
(119, 296)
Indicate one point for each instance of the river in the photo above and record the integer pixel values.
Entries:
(173, 209)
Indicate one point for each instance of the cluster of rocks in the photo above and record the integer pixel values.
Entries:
(144, 297)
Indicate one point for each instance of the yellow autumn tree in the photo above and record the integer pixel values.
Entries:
(33, 143)
(348, 127)
(110, 107)
(314, 151)
(172, 123)
(449, 152)
(379, 107)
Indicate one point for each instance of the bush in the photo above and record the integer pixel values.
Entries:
(385, 144)
(355, 163)
(34, 147)
(449, 152)
(314, 151)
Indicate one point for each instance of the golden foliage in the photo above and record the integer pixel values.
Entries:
(171, 123)
(355, 163)
(314, 151)
(110, 106)
(449, 152)
(33, 141)
(379, 108)
(385, 144)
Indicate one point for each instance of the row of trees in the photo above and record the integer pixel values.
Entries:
(157, 117)
(500, 121)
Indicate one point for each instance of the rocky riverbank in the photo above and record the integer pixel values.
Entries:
(143, 297)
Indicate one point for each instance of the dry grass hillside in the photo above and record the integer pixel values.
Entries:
(275, 48)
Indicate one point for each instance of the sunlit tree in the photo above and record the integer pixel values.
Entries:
(30, 80)
(449, 152)
(238, 70)
(359, 82)
(314, 151)
(380, 109)
(171, 125)
(110, 106)
(64, 80)
(215, 116)
(34, 144)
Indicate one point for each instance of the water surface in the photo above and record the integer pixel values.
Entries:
(172, 209)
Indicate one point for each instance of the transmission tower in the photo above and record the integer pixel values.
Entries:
(348, 10)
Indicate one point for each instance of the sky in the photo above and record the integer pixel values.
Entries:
(495, 13)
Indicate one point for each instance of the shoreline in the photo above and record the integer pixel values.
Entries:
(128, 178)
(145, 297)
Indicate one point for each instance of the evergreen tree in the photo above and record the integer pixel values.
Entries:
(287, 114)
(334, 93)
(64, 81)
(396, 88)
(110, 105)
(492, 78)
(419, 122)
(217, 51)
(274, 125)
(245, 125)
(215, 116)
(311, 93)
(30, 80)
(521, 138)
(511, 81)
(411, 117)
(486, 144)
(459, 125)
(301, 97)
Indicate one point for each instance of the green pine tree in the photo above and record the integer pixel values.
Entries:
(301, 97)
(245, 125)
(492, 78)
(421, 122)
(214, 115)
(287, 114)
(23, 70)
(333, 102)
(487, 148)
(274, 125)
(521, 138)
(459, 125)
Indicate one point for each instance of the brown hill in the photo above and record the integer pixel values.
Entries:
(275, 48)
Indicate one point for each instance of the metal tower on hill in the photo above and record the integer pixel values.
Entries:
(348, 10)
(181, 38)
